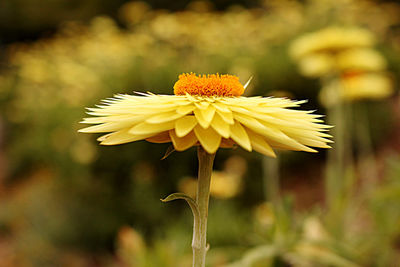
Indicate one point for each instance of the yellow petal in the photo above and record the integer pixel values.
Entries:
(271, 132)
(278, 136)
(221, 107)
(184, 125)
(115, 118)
(202, 104)
(132, 108)
(239, 135)
(191, 98)
(294, 118)
(104, 137)
(101, 128)
(183, 143)
(160, 138)
(220, 126)
(200, 118)
(226, 116)
(107, 127)
(164, 117)
(309, 134)
(208, 113)
(250, 122)
(259, 144)
(282, 146)
(209, 138)
(122, 137)
(148, 128)
(185, 109)
(312, 142)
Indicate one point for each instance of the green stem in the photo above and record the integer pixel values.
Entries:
(199, 242)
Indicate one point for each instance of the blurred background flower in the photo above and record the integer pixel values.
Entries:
(67, 202)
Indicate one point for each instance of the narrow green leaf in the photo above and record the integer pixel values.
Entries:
(169, 151)
(192, 203)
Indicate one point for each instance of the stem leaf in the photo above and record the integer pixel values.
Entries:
(192, 203)
(169, 151)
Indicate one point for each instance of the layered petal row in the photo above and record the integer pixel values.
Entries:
(254, 123)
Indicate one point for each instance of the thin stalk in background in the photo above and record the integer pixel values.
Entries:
(271, 180)
(366, 159)
(335, 163)
(339, 180)
(366, 162)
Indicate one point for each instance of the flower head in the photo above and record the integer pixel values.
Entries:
(331, 40)
(353, 86)
(208, 111)
(362, 60)
(359, 59)
(346, 58)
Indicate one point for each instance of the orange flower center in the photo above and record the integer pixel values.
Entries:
(208, 85)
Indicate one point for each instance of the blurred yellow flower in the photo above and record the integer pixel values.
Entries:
(356, 87)
(188, 185)
(360, 59)
(373, 85)
(264, 214)
(331, 40)
(235, 165)
(208, 111)
(131, 248)
(334, 50)
(225, 185)
(351, 69)
(316, 65)
(131, 240)
(313, 230)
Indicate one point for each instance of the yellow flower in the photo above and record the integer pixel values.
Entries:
(316, 65)
(331, 40)
(225, 185)
(264, 214)
(372, 86)
(356, 86)
(208, 111)
(360, 59)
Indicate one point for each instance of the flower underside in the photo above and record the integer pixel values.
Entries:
(212, 121)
